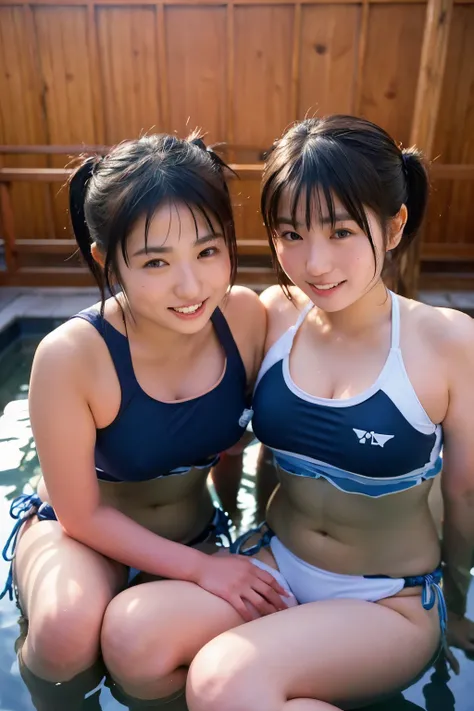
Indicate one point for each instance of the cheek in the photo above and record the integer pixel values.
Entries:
(358, 252)
(291, 259)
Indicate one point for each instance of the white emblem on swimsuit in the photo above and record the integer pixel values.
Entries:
(376, 439)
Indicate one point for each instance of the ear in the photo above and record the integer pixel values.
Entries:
(396, 227)
(97, 254)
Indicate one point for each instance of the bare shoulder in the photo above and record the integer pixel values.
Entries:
(244, 311)
(282, 312)
(275, 299)
(69, 350)
(449, 331)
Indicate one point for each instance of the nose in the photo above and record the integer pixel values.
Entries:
(187, 287)
(319, 261)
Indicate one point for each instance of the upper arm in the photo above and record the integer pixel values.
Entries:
(248, 321)
(458, 425)
(64, 430)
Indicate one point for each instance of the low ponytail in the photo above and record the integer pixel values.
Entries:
(417, 191)
(78, 187)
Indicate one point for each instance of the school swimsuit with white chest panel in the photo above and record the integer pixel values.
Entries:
(378, 443)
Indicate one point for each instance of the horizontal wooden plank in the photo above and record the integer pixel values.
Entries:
(34, 175)
(45, 246)
(249, 170)
(67, 246)
(77, 149)
(448, 252)
(47, 149)
(451, 281)
(53, 175)
(452, 172)
(47, 276)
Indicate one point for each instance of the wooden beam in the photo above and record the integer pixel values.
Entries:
(425, 116)
(452, 172)
(45, 246)
(49, 149)
(161, 49)
(77, 149)
(230, 97)
(295, 62)
(68, 246)
(54, 175)
(7, 222)
(253, 171)
(361, 54)
(34, 175)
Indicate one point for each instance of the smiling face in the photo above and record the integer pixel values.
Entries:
(180, 273)
(330, 260)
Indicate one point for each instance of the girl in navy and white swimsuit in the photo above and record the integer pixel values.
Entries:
(358, 392)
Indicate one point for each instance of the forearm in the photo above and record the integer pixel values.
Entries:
(457, 552)
(117, 536)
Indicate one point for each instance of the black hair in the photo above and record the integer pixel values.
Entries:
(350, 158)
(108, 195)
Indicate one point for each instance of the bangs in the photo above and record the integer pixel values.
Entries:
(323, 171)
(203, 198)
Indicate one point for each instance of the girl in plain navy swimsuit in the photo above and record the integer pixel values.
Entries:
(358, 392)
(131, 403)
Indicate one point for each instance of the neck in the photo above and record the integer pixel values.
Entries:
(164, 342)
(362, 316)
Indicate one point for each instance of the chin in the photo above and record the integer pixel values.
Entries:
(332, 303)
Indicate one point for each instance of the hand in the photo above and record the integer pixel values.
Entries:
(460, 632)
(249, 589)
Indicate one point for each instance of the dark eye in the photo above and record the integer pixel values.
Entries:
(209, 252)
(291, 236)
(341, 234)
(155, 264)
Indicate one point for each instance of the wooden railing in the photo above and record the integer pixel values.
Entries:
(257, 274)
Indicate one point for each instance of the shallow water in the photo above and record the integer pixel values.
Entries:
(19, 471)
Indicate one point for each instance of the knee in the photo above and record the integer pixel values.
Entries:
(64, 641)
(223, 678)
(132, 652)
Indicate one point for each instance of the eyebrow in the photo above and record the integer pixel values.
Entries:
(338, 217)
(167, 250)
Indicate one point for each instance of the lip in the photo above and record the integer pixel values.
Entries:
(189, 317)
(325, 293)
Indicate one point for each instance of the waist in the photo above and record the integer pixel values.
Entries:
(400, 546)
(175, 509)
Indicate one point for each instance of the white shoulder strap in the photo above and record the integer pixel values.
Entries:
(395, 321)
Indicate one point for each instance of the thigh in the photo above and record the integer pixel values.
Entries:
(337, 651)
(54, 572)
(169, 619)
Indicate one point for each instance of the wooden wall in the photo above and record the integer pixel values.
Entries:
(98, 72)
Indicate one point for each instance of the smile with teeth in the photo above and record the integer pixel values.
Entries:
(187, 309)
(326, 287)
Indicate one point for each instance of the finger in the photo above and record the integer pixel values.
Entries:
(270, 580)
(270, 595)
(259, 602)
(240, 607)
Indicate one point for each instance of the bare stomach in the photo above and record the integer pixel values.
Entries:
(355, 535)
(175, 507)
